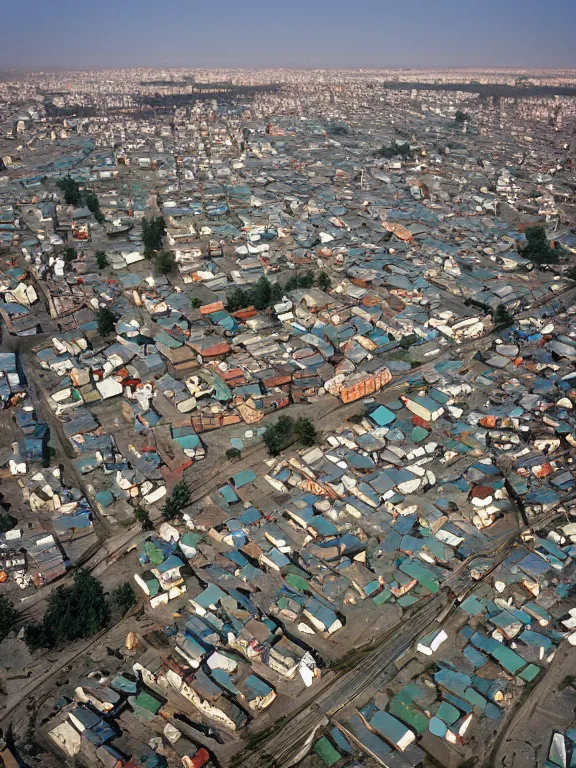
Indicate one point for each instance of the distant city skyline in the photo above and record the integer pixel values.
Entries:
(524, 34)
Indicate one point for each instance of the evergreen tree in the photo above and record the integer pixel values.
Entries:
(101, 259)
(538, 249)
(7, 522)
(8, 615)
(501, 316)
(164, 262)
(177, 501)
(153, 231)
(106, 320)
(71, 190)
(278, 436)
(69, 254)
(143, 517)
(124, 597)
(306, 432)
(91, 201)
(261, 293)
(72, 613)
(323, 281)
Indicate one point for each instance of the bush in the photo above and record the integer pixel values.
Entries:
(101, 259)
(233, 453)
(177, 501)
(143, 517)
(538, 249)
(106, 320)
(195, 303)
(306, 432)
(164, 262)
(571, 274)
(461, 117)
(8, 615)
(72, 613)
(124, 597)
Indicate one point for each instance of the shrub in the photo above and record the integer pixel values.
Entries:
(233, 453)
(69, 254)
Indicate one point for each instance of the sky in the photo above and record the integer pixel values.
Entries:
(74, 34)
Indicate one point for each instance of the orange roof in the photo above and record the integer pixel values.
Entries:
(207, 309)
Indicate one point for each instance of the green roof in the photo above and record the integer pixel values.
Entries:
(326, 752)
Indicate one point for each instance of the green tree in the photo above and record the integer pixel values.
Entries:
(177, 501)
(571, 274)
(538, 249)
(164, 262)
(91, 200)
(278, 436)
(323, 281)
(195, 303)
(7, 522)
(501, 316)
(238, 299)
(106, 320)
(233, 453)
(8, 615)
(124, 597)
(306, 432)
(69, 254)
(261, 293)
(153, 231)
(394, 150)
(461, 117)
(70, 189)
(73, 613)
(38, 635)
(143, 517)
(101, 259)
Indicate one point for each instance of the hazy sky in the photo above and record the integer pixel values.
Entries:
(293, 33)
